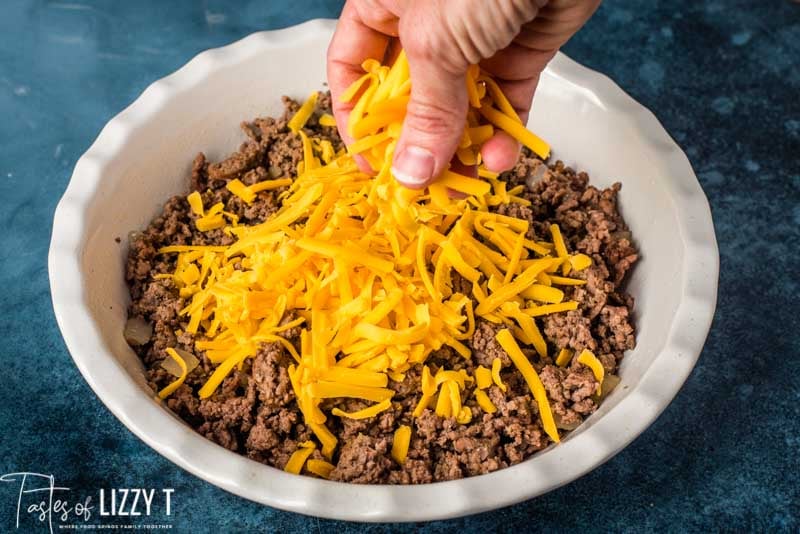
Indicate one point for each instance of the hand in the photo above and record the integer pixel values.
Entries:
(513, 40)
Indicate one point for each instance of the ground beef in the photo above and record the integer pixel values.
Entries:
(485, 347)
(569, 391)
(254, 412)
(270, 377)
(363, 459)
(571, 330)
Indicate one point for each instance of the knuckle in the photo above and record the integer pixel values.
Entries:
(434, 119)
(440, 47)
(417, 43)
(374, 14)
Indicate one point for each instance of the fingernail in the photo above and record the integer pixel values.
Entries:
(413, 166)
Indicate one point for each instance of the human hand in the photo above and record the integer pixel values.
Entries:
(513, 40)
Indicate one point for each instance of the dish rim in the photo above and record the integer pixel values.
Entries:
(244, 477)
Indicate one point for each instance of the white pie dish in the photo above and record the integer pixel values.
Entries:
(143, 155)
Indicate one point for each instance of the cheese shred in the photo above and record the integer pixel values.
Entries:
(484, 401)
(304, 113)
(506, 340)
(564, 357)
(321, 468)
(366, 413)
(587, 358)
(298, 458)
(170, 389)
(402, 439)
(498, 381)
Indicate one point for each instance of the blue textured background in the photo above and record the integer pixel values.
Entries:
(723, 77)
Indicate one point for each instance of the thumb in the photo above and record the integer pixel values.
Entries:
(434, 121)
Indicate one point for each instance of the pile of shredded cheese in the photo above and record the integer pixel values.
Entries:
(365, 265)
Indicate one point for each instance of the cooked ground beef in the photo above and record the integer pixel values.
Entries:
(254, 411)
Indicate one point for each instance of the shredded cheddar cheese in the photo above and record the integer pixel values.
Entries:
(587, 358)
(516, 130)
(321, 468)
(566, 281)
(580, 262)
(365, 269)
(547, 309)
(196, 203)
(210, 222)
(483, 377)
(564, 357)
(240, 190)
(402, 438)
(484, 401)
(506, 340)
(498, 381)
(464, 416)
(170, 389)
(371, 411)
(326, 119)
(298, 458)
(304, 113)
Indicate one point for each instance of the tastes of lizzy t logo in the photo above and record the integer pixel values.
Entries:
(40, 501)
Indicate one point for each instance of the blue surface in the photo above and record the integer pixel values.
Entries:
(723, 77)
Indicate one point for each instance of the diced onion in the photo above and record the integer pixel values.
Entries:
(560, 424)
(137, 331)
(609, 383)
(172, 367)
(536, 175)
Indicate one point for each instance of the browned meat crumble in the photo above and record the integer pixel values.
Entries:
(254, 411)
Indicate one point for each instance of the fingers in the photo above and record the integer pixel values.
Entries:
(517, 68)
(441, 39)
(352, 43)
(556, 23)
(434, 119)
(464, 170)
(517, 62)
(433, 125)
(500, 153)
(380, 15)
(486, 27)
(465, 33)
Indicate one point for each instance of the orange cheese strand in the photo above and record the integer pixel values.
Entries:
(508, 291)
(304, 113)
(321, 468)
(564, 357)
(516, 130)
(547, 309)
(506, 340)
(240, 190)
(565, 281)
(268, 185)
(483, 377)
(210, 222)
(484, 401)
(366, 413)
(400, 443)
(326, 119)
(496, 365)
(325, 437)
(170, 389)
(580, 261)
(195, 203)
(298, 458)
(587, 358)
